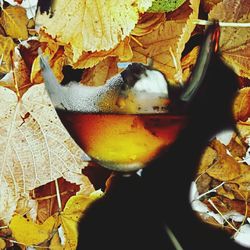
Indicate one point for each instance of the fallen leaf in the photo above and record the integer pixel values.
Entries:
(35, 147)
(99, 74)
(29, 51)
(188, 63)
(226, 168)
(237, 148)
(207, 5)
(165, 44)
(96, 25)
(8, 201)
(54, 52)
(241, 106)
(2, 244)
(46, 195)
(244, 129)
(71, 215)
(89, 59)
(6, 49)
(207, 159)
(14, 21)
(234, 42)
(226, 205)
(165, 6)
(30, 233)
(147, 23)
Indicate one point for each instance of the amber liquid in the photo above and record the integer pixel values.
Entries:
(123, 142)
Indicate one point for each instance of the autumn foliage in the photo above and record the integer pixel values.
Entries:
(42, 188)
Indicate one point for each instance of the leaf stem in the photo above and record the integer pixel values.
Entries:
(222, 24)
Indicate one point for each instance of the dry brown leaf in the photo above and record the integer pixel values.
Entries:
(234, 42)
(244, 180)
(207, 5)
(46, 196)
(29, 51)
(236, 148)
(89, 59)
(226, 168)
(99, 74)
(147, 23)
(226, 205)
(165, 44)
(6, 50)
(34, 146)
(207, 159)
(188, 62)
(14, 21)
(244, 129)
(93, 26)
(18, 80)
(54, 52)
(241, 106)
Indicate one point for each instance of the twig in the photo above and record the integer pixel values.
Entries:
(213, 205)
(222, 24)
(210, 191)
(58, 196)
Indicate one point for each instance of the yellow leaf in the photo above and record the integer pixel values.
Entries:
(234, 42)
(6, 48)
(99, 74)
(14, 21)
(2, 244)
(71, 215)
(54, 52)
(55, 242)
(28, 232)
(165, 44)
(93, 25)
(89, 59)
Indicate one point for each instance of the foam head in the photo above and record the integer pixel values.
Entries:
(138, 89)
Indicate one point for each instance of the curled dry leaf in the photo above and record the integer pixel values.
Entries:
(234, 42)
(14, 21)
(85, 30)
(225, 168)
(54, 52)
(6, 49)
(241, 106)
(165, 44)
(34, 146)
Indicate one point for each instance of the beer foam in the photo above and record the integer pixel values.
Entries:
(148, 95)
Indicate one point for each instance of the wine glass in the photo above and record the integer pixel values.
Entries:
(126, 123)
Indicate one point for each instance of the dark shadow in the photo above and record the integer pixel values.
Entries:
(135, 209)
